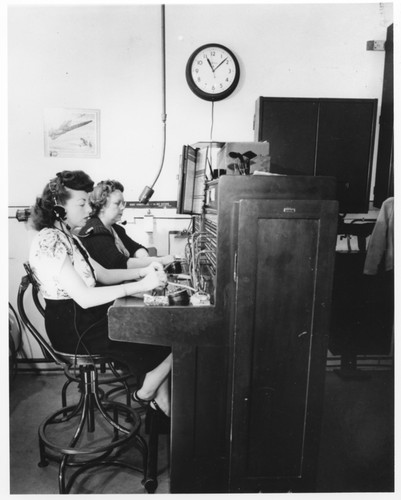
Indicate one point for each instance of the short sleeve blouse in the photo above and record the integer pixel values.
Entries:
(49, 249)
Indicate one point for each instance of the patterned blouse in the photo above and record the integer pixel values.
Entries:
(49, 249)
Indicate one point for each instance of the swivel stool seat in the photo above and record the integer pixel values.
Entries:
(95, 430)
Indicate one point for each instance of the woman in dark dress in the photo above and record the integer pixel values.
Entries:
(106, 241)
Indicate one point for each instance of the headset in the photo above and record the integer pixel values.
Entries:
(54, 186)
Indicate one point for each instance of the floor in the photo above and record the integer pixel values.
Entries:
(356, 451)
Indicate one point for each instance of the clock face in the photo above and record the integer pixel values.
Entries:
(212, 72)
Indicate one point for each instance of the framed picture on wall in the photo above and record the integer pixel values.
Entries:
(72, 133)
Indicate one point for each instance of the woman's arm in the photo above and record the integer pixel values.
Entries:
(113, 276)
(141, 252)
(102, 248)
(136, 262)
(86, 296)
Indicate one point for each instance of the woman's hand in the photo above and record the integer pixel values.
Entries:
(154, 266)
(166, 260)
(154, 279)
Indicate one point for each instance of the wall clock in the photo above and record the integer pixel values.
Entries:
(212, 72)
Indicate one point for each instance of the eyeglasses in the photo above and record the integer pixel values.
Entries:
(120, 204)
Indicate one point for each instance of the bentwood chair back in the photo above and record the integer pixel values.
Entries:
(68, 434)
(68, 362)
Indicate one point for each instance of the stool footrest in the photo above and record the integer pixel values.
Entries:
(90, 433)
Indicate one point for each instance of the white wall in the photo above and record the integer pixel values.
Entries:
(109, 58)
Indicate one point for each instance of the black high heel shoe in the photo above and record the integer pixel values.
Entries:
(148, 403)
(155, 407)
(143, 402)
(156, 418)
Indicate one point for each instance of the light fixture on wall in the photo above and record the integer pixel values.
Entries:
(148, 191)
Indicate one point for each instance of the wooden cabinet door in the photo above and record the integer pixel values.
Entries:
(345, 148)
(319, 136)
(289, 126)
(284, 270)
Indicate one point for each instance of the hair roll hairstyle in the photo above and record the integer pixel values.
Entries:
(101, 192)
(57, 192)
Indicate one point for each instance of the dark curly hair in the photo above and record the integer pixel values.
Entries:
(55, 193)
(101, 192)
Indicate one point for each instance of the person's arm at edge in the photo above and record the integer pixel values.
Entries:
(86, 296)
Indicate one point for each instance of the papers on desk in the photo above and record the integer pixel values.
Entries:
(155, 300)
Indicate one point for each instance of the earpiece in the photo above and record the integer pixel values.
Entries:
(59, 212)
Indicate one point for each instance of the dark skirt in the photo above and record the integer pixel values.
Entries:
(74, 330)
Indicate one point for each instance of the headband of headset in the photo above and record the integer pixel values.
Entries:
(54, 186)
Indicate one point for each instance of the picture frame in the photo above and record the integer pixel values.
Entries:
(72, 133)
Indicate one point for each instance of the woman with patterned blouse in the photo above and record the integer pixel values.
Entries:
(76, 308)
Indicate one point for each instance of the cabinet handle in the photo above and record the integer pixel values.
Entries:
(302, 334)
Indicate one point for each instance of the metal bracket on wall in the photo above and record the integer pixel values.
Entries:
(376, 45)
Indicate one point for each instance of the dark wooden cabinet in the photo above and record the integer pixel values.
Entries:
(248, 371)
(332, 137)
(362, 309)
(284, 265)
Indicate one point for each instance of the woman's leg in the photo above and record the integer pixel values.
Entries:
(162, 397)
(140, 359)
(156, 386)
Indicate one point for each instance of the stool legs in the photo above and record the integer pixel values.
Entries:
(83, 456)
(151, 482)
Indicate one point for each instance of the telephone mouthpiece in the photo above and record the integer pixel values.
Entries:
(146, 195)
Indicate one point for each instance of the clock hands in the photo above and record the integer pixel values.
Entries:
(210, 64)
(220, 64)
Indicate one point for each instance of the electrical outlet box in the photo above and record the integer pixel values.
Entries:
(375, 45)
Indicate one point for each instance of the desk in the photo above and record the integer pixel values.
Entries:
(199, 393)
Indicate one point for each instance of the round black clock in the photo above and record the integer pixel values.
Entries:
(212, 72)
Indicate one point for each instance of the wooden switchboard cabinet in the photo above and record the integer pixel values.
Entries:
(248, 370)
(284, 263)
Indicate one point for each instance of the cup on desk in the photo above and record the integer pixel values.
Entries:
(178, 298)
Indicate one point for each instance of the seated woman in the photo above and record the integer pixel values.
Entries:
(76, 309)
(105, 240)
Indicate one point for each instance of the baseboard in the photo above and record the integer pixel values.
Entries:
(363, 362)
